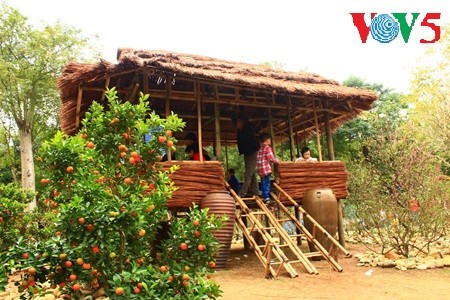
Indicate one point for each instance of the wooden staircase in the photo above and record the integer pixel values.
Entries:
(280, 251)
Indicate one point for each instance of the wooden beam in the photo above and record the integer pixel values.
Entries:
(145, 82)
(226, 156)
(319, 147)
(106, 87)
(329, 136)
(78, 108)
(291, 134)
(272, 133)
(134, 92)
(217, 128)
(167, 96)
(199, 122)
(167, 108)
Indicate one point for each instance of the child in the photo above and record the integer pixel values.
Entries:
(306, 155)
(263, 159)
(233, 181)
(193, 152)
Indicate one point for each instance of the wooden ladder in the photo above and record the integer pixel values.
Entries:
(327, 254)
(276, 240)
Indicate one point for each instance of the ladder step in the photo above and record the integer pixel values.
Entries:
(296, 235)
(248, 199)
(295, 261)
(283, 220)
(268, 227)
(313, 254)
(258, 213)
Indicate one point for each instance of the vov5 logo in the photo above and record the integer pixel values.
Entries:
(385, 28)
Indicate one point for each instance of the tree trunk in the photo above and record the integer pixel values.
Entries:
(26, 160)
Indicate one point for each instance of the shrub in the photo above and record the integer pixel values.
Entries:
(109, 197)
(399, 201)
(12, 204)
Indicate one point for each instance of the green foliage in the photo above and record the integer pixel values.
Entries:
(31, 60)
(12, 204)
(109, 197)
(430, 103)
(389, 112)
(386, 185)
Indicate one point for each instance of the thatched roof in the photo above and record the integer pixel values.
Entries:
(258, 87)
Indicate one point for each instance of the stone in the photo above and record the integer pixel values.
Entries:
(436, 254)
(422, 267)
(387, 264)
(446, 260)
(402, 268)
(365, 260)
(439, 263)
(392, 255)
(410, 264)
(431, 264)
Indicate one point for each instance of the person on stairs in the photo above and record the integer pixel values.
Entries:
(264, 157)
(248, 146)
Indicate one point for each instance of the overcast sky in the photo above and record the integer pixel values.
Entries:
(317, 36)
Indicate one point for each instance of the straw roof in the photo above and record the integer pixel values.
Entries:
(258, 86)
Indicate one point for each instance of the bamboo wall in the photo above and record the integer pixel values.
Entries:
(296, 178)
(193, 180)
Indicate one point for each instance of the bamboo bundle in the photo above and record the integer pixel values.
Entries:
(193, 180)
(296, 178)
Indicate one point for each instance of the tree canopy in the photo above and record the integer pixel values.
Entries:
(31, 59)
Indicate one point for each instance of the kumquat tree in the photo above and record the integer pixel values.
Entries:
(109, 197)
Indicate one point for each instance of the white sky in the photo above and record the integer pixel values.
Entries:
(317, 36)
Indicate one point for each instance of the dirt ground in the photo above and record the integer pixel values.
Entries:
(244, 279)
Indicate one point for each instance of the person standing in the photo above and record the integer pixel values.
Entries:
(247, 146)
(264, 158)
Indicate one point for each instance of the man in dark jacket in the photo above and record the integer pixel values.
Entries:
(248, 146)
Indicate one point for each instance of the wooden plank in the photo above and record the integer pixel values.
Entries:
(78, 108)
(319, 147)
(199, 121)
(217, 131)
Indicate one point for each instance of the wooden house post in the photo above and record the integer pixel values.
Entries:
(319, 146)
(218, 145)
(329, 133)
(199, 119)
(272, 132)
(167, 108)
(291, 134)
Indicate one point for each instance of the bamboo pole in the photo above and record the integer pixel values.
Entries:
(106, 87)
(226, 156)
(329, 136)
(145, 82)
(134, 92)
(167, 108)
(291, 135)
(319, 147)
(316, 224)
(199, 121)
(78, 108)
(283, 235)
(217, 130)
(341, 224)
(272, 132)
